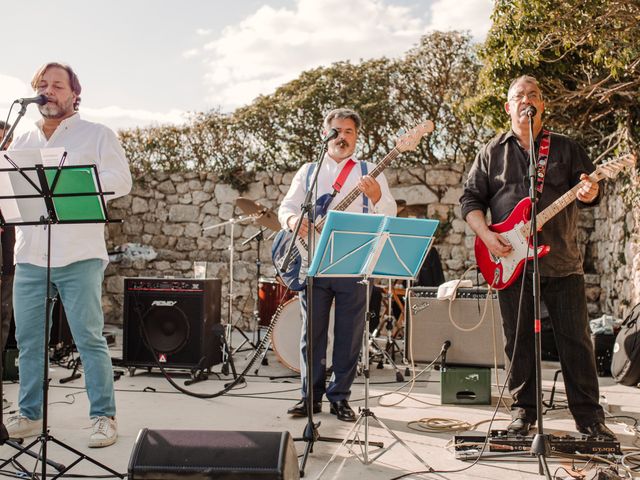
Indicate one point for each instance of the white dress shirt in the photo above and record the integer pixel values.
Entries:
(86, 143)
(329, 172)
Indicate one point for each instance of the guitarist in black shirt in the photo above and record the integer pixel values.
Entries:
(497, 182)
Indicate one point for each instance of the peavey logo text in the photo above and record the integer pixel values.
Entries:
(163, 303)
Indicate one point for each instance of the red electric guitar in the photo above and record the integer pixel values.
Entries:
(500, 272)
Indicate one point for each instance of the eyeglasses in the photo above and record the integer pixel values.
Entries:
(518, 97)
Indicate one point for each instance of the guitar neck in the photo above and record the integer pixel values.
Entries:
(561, 203)
(353, 194)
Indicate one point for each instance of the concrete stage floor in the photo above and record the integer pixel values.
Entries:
(147, 400)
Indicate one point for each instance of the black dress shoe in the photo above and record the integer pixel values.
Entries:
(300, 408)
(520, 426)
(343, 411)
(597, 429)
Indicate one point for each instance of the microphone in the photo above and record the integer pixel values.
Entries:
(333, 133)
(40, 100)
(446, 345)
(531, 111)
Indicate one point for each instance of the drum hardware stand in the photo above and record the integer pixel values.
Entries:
(258, 237)
(228, 351)
(45, 189)
(388, 352)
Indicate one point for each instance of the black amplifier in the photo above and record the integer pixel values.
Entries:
(172, 321)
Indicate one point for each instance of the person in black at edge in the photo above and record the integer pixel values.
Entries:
(7, 241)
(498, 179)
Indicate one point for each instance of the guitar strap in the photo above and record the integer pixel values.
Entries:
(365, 199)
(543, 157)
(342, 176)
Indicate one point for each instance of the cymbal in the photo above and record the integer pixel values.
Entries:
(264, 216)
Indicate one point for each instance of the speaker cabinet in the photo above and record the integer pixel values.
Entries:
(179, 318)
(206, 454)
(474, 340)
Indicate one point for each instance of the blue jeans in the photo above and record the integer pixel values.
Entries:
(80, 288)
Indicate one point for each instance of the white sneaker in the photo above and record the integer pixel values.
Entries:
(19, 426)
(104, 432)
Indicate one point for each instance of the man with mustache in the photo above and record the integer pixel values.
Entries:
(497, 181)
(78, 259)
(349, 295)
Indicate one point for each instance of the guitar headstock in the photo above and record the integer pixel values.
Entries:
(611, 168)
(410, 140)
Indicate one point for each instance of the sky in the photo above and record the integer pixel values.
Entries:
(152, 62)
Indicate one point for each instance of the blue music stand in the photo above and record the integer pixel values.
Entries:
(359, 245)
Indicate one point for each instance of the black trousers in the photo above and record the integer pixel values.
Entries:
(566, 302)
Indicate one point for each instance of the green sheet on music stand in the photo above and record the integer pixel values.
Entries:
(355, 244)
(75, 180)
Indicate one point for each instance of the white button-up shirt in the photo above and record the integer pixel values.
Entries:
(86, 143)
(329, 172)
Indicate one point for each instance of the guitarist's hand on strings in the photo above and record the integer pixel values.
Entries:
(370, 187)
(496, 244)
(304, 226)
(588, 192)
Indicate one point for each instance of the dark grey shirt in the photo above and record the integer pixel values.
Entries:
(498, 180)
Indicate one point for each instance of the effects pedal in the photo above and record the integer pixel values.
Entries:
(469, 446)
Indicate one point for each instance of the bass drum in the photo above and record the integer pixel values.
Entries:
(287, 332)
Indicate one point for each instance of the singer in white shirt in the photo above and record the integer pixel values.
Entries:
(349, 295)
(78, 259)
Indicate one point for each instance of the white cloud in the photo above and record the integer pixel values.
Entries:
(272, 46)
(193, 52)
(472, 15)
(120, 118)
(203, 31)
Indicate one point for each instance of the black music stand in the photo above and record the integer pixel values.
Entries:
(371, 246)
(49, 195)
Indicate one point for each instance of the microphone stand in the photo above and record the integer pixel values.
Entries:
(310, 434)
(540, 445)
(9, 134)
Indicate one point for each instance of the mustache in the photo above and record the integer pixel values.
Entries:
(342, 143)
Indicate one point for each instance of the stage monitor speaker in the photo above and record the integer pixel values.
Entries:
(207, 454)
(429, 327)
(181, 319)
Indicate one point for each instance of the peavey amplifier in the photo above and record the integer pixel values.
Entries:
(475, 337)
(175, 322)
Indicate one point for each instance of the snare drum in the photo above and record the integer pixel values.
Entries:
(271, 293)
(287, 333)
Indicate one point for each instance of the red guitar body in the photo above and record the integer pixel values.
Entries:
(500, 272)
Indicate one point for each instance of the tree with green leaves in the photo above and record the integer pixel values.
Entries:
(586, 55)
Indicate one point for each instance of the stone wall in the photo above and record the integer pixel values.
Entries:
(166, 213)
